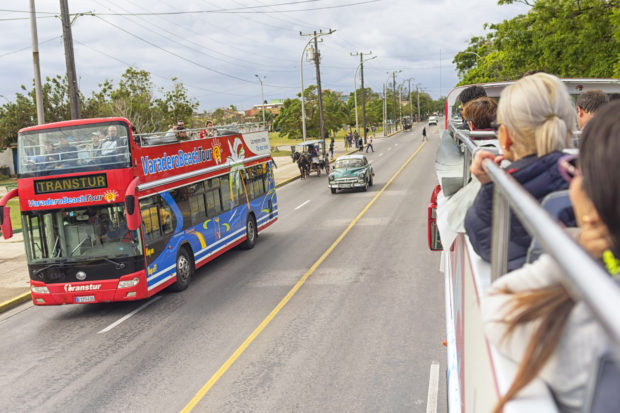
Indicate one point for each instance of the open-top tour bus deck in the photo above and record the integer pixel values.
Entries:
(477, 374)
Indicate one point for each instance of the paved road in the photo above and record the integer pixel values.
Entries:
(361, 334)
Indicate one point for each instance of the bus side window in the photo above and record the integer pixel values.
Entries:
(214, 201)
(249, 182)
(225, 192)
(150, 221)
(166, 218)
(181, 197)
(197, 206)
(259, 181)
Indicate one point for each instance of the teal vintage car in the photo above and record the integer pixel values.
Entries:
(351, 172)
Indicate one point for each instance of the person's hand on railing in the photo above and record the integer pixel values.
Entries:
(477, 169)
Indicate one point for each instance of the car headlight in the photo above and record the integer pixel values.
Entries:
(331, 177)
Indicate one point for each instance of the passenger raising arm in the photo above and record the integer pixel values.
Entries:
(535, 119)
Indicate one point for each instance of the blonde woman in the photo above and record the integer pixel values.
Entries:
(535, 119)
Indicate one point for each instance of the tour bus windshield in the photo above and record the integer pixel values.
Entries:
(74, 149)
(79, 234)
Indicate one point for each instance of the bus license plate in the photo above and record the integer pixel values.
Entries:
(85, 299)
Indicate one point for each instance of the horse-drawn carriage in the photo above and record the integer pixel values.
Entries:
(310, 158)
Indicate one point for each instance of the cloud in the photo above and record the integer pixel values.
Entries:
(406, 35)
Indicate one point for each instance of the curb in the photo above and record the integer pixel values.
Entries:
(14, 302)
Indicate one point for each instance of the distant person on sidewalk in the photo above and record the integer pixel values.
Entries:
(331, 148)
(369, 146)
(374, 130)
(424, 134)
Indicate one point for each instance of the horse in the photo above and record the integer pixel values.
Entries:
(303, 163)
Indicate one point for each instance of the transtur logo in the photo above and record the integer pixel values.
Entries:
(74, 288)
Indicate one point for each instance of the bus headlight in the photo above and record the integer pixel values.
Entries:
(39, 290)
(128, 283)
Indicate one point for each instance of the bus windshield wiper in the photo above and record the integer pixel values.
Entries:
(56, 264)
(117, 265)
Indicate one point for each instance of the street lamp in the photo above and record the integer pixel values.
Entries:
(357, 124)
(262, 98)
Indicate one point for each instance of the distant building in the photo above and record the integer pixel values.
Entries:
(273, 106)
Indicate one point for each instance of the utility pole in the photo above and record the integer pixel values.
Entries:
(400, 104)
(317, 58)
(394, 91)
(361, 55)
(74, 99)
(35, 62)
(410, 104)
(418, 93)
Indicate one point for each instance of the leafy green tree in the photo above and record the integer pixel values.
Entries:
(289, 119)
(569, 38)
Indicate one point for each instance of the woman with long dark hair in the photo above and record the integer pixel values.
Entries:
(530, 317)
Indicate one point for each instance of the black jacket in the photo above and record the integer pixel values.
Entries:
(539, 176)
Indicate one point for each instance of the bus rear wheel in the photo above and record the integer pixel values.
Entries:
(251, 233)
(185, 269)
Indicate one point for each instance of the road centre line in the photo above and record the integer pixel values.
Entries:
(390, 148)
(241, 349)
(299, 206)
(117, 322)
(381, 154)
(433, 388)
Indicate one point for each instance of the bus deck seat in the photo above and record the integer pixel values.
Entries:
(558, 205)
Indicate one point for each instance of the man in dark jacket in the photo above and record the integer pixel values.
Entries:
(539, 176)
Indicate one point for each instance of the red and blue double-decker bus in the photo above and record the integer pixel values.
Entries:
(108, 215)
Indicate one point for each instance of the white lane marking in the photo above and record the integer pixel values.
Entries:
(390, 148)
(381, 154)
(395, 144)
(299, 206)
(433, 388)
(117, 322)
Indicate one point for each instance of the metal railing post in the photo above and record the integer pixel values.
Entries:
(500, 236)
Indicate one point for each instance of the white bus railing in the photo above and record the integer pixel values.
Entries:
(585, 279)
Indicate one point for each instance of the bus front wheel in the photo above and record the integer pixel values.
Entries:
(185, 269)
(250, 232)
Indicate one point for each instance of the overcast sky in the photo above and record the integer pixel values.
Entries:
(218, 53)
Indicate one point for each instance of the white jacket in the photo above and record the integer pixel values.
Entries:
(583, 340)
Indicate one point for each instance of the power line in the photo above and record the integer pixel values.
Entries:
(245, 10)
(30, 47)
(160, 28)
(172, 53)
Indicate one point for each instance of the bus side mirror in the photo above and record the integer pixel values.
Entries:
(5, 214)
(7, 228)
(434, 241)
(131, 206)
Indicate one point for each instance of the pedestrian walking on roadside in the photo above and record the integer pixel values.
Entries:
(369, 145)
(424, 134)
(374, 130)
(331, 148)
